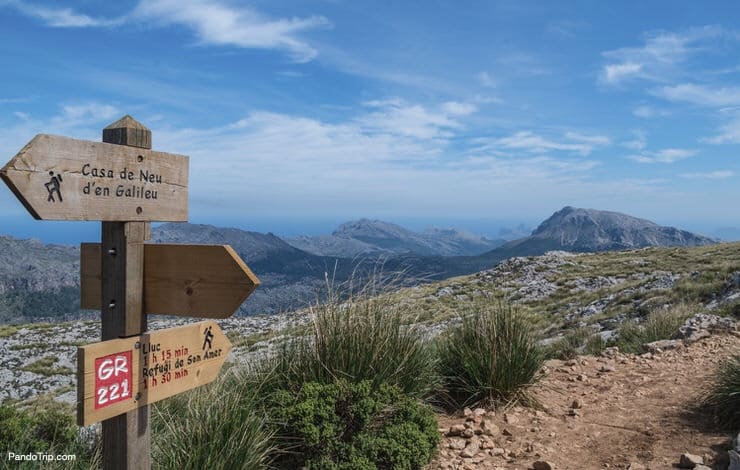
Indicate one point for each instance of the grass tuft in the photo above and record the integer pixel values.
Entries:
(661, 324)
(491, 358)
(360, 338)
(215, 427)
(723, 397)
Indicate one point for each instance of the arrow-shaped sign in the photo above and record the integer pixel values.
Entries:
(120, 375)
(205, 281)
(58, 178)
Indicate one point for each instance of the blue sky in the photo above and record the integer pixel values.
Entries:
(301, 114)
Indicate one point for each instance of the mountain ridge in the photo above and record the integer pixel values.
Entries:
(41, 282)
(374, 237)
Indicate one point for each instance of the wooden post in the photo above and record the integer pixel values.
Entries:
(126, 438)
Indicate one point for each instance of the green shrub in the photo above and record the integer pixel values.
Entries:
(46, 430)
(360, 339)
(490, 358)
(595, 344)
(353, 426)
(570, 345)
(723, 397)
(217, 426)
(661, 324)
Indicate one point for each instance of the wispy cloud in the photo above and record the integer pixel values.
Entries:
(595, 140)
(648, 112)
(615, 73)
(26, 99)
(729, 134)
(59, 17)
(84, 119)
(670, 155)
(658, 58)
(90, 111)
(638, 143)
(485, 79)
(700, 94)
(213, 22)
(533, 143)
(303, 162)
(711, 175)
(396, 117)
(216, 23)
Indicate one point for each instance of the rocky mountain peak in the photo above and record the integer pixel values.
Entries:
(596, 230)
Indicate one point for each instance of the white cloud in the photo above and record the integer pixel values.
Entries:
(595, 140)
(615, 73)
(712, 175)
(658, 59)
(456, 108)
(216, 23)
(647, 112)
(729, 134)
(213, 22)
(670, 155)
(700, 94)
(638, 143)
(300, 164)
(533, 143)
(396, 117)
(60, 17)
(485, 79)
(92, 111)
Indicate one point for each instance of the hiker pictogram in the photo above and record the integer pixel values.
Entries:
(208, 338)
(54, 185)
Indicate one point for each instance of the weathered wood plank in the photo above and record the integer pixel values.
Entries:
(126, 438)
(58, 178)
(157, 364)
(203, 281)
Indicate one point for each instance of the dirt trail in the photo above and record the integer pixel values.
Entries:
(617, 411)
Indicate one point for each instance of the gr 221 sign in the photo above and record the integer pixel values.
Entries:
(113, 378)
(120, 375)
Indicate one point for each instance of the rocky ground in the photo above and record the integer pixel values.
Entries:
(613, 411)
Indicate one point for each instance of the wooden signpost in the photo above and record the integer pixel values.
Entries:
(121, 375)
(58, 178)
(125, 184)
(207, 281)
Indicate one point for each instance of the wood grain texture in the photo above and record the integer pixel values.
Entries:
(58, 178)
(126, 438)
(156, 354)
(203, 281)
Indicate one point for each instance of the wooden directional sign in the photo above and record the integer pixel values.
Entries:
(205, 281)
(120, 375)
(58, 178)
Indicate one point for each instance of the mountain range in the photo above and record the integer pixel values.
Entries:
(374, 237)
(40, 281)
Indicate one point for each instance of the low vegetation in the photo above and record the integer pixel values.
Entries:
(723, 398)
(659, 325)
(350, 389)
(49, 429)
(363, 338)
(353, 426)
(491, 358)
(46, 366)
(217, 427)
